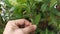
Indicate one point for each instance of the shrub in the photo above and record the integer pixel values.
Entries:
(43, 13)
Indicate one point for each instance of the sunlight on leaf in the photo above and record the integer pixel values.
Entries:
(53, 2)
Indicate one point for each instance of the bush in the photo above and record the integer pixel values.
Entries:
(43, 13)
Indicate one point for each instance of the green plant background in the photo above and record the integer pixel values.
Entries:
(43, 13)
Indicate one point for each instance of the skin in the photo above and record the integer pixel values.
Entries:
(14, 27)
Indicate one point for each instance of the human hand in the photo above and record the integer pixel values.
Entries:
(20, 26)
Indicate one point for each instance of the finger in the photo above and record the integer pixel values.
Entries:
(16, 23)
(28, 25)
(22, 21)
(29, 29)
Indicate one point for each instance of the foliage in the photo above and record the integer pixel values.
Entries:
(44, 13)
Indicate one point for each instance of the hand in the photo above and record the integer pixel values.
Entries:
(20, 26)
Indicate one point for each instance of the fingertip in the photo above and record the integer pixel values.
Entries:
(34, 27)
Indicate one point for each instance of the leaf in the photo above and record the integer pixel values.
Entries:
(55, 12)
(13, 2)
(7, 3)
(22, 1)
(46, 31)
(58, 14)
(44, 7)
(42, 32)
(17, 12)
(16, 2)
(52, 19)
(37, 19)
(46, 1)
(59, 26)
(53, 2)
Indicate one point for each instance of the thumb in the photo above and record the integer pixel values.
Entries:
(29, 29)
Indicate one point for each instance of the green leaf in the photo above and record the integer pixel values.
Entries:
(44, 7)
(17, 12)
(37, 19)
(58, 14)
(22, 1)
(42, 32)
(55, 12)
(46, 31)
(52, 19)
(46, 1)
(7, 3)
(53, 2)
(16, 2)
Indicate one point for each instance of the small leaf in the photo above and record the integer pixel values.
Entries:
(52, 19)
(22, 1)
(53, 2)
(44, 7)
(17, 12)
(13, 2)
(16, 2)
(55, 12)
(37, 19)
(46, 31)
(7, 3)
